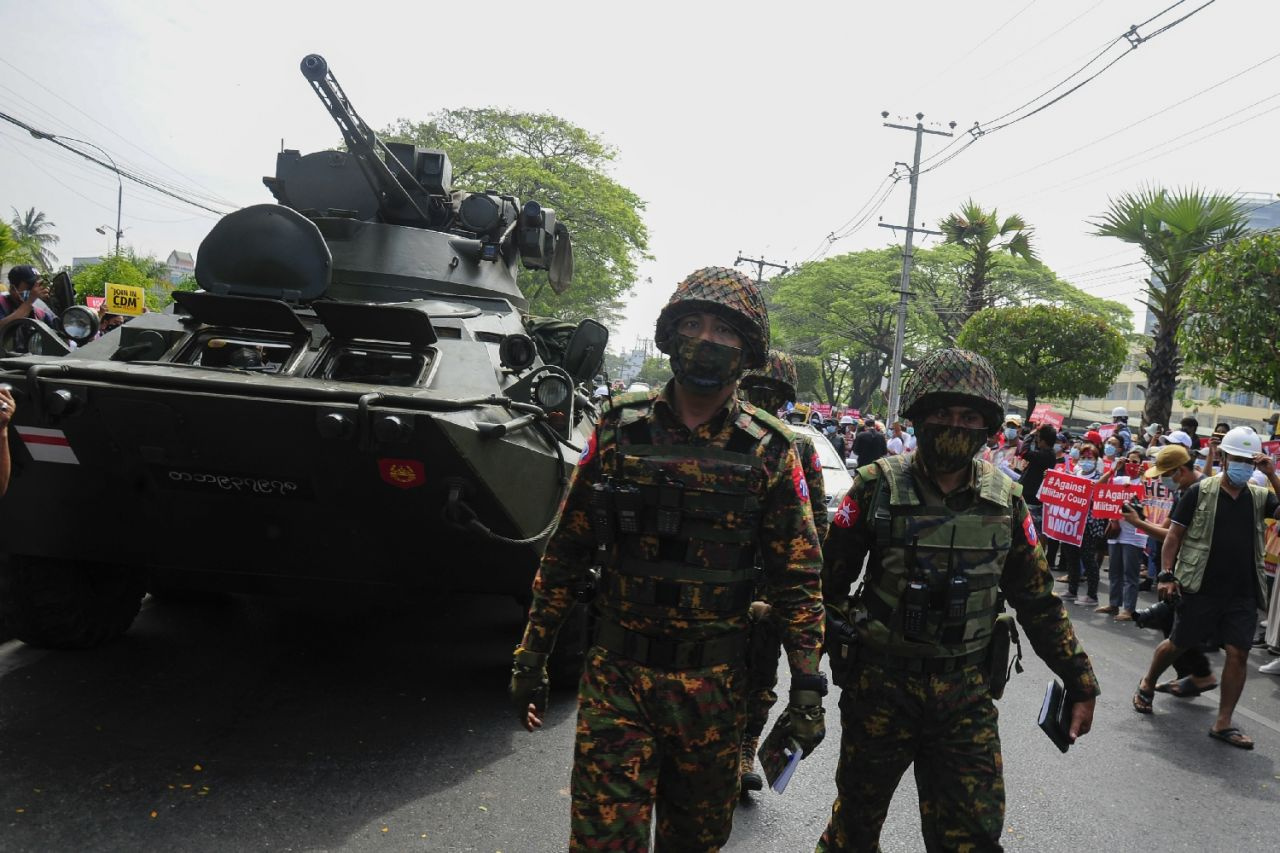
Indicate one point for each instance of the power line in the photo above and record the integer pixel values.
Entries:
(1134, 39)
(56, 140)
(113, 132)
(1129, 126)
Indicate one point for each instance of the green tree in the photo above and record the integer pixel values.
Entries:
(940, 278)
(1229, 333)
(844, 309)
(31, 230)
(92, 280)
(984, 236)
(545, 158)
(1044, 351)
(1172, 229)
(808, 377)
(11, 251)
(655, 371)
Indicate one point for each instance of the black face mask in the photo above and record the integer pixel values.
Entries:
(705, 367)
(945, 449)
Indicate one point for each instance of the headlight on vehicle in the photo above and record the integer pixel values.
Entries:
(551, 392)
(80, 323)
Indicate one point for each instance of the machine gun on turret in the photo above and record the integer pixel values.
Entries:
(398, 183)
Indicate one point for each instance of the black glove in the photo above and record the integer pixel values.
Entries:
(529, 682)
(806, 717)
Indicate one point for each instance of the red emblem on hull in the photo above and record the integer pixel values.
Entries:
(402, 473)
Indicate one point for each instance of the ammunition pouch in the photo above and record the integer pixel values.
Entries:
(999, 668)
(665, 653)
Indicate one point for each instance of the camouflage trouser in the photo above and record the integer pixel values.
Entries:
(946, 724)
(762, 672)
(647, 735)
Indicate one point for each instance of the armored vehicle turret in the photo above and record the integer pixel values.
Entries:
(356, 398)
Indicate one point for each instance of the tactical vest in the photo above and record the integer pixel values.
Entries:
(1193, 555)
(687, 519)
(932, 587)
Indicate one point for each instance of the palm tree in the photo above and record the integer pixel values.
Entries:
(1173, 230)
(30, 229)
(984, 235)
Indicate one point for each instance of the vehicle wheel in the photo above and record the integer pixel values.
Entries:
(57, 604)
(564, 667)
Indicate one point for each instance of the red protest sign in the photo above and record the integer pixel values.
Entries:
(94, 302)
(1043, 413)
(1108, 498)
(823, 409)
(1106, 431)
(1272, 449)
(1066, 499)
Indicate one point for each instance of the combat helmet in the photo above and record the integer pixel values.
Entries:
(953, 377)
(778, 373)
(728, 294)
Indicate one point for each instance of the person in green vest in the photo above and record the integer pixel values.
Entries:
(949, 540)
(1212, 565)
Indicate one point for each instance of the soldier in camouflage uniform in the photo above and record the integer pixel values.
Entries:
(675, 495)
(770, 388)
(950, 539)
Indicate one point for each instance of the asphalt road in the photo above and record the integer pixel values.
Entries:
(266, 725)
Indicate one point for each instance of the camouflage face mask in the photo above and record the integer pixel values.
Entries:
(946, 449)
(764, 397)
(705, 367)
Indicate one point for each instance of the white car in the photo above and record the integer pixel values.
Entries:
(836, 479)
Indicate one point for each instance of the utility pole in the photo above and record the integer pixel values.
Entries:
(760, 264)
(904, 285)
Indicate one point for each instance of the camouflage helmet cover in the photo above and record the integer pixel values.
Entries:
(952, 377)
(779, 372)
(728, 294)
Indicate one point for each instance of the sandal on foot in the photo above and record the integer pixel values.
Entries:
(1186, 688)
(1142, 699)
(1233, 736)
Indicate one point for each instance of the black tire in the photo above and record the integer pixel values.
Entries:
(56, 604)
(564, 667)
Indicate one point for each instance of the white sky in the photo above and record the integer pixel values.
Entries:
(751, 126)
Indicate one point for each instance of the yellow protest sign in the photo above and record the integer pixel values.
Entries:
(125, 299)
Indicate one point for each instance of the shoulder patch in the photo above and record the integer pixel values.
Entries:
(588, 452)
(848, 512)
(1029, 530)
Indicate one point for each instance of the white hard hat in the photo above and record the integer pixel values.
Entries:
(1241, 441)
(1119, 412)
(846, 419)
(1179, 437)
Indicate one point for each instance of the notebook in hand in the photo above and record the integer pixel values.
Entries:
(779, 755)
(1055, 715)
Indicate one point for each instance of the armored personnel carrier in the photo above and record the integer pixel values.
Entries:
(356, 398)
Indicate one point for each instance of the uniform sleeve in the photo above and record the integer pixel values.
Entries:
(793, 563)
(1028, 586)
(847, 543)
(817, 488)
(568, 557)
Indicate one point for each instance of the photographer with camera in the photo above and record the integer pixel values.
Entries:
(1213, 561)
(26, 289)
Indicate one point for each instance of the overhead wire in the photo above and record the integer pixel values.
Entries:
(110, 130)
(1018, 114)
(123, 173)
